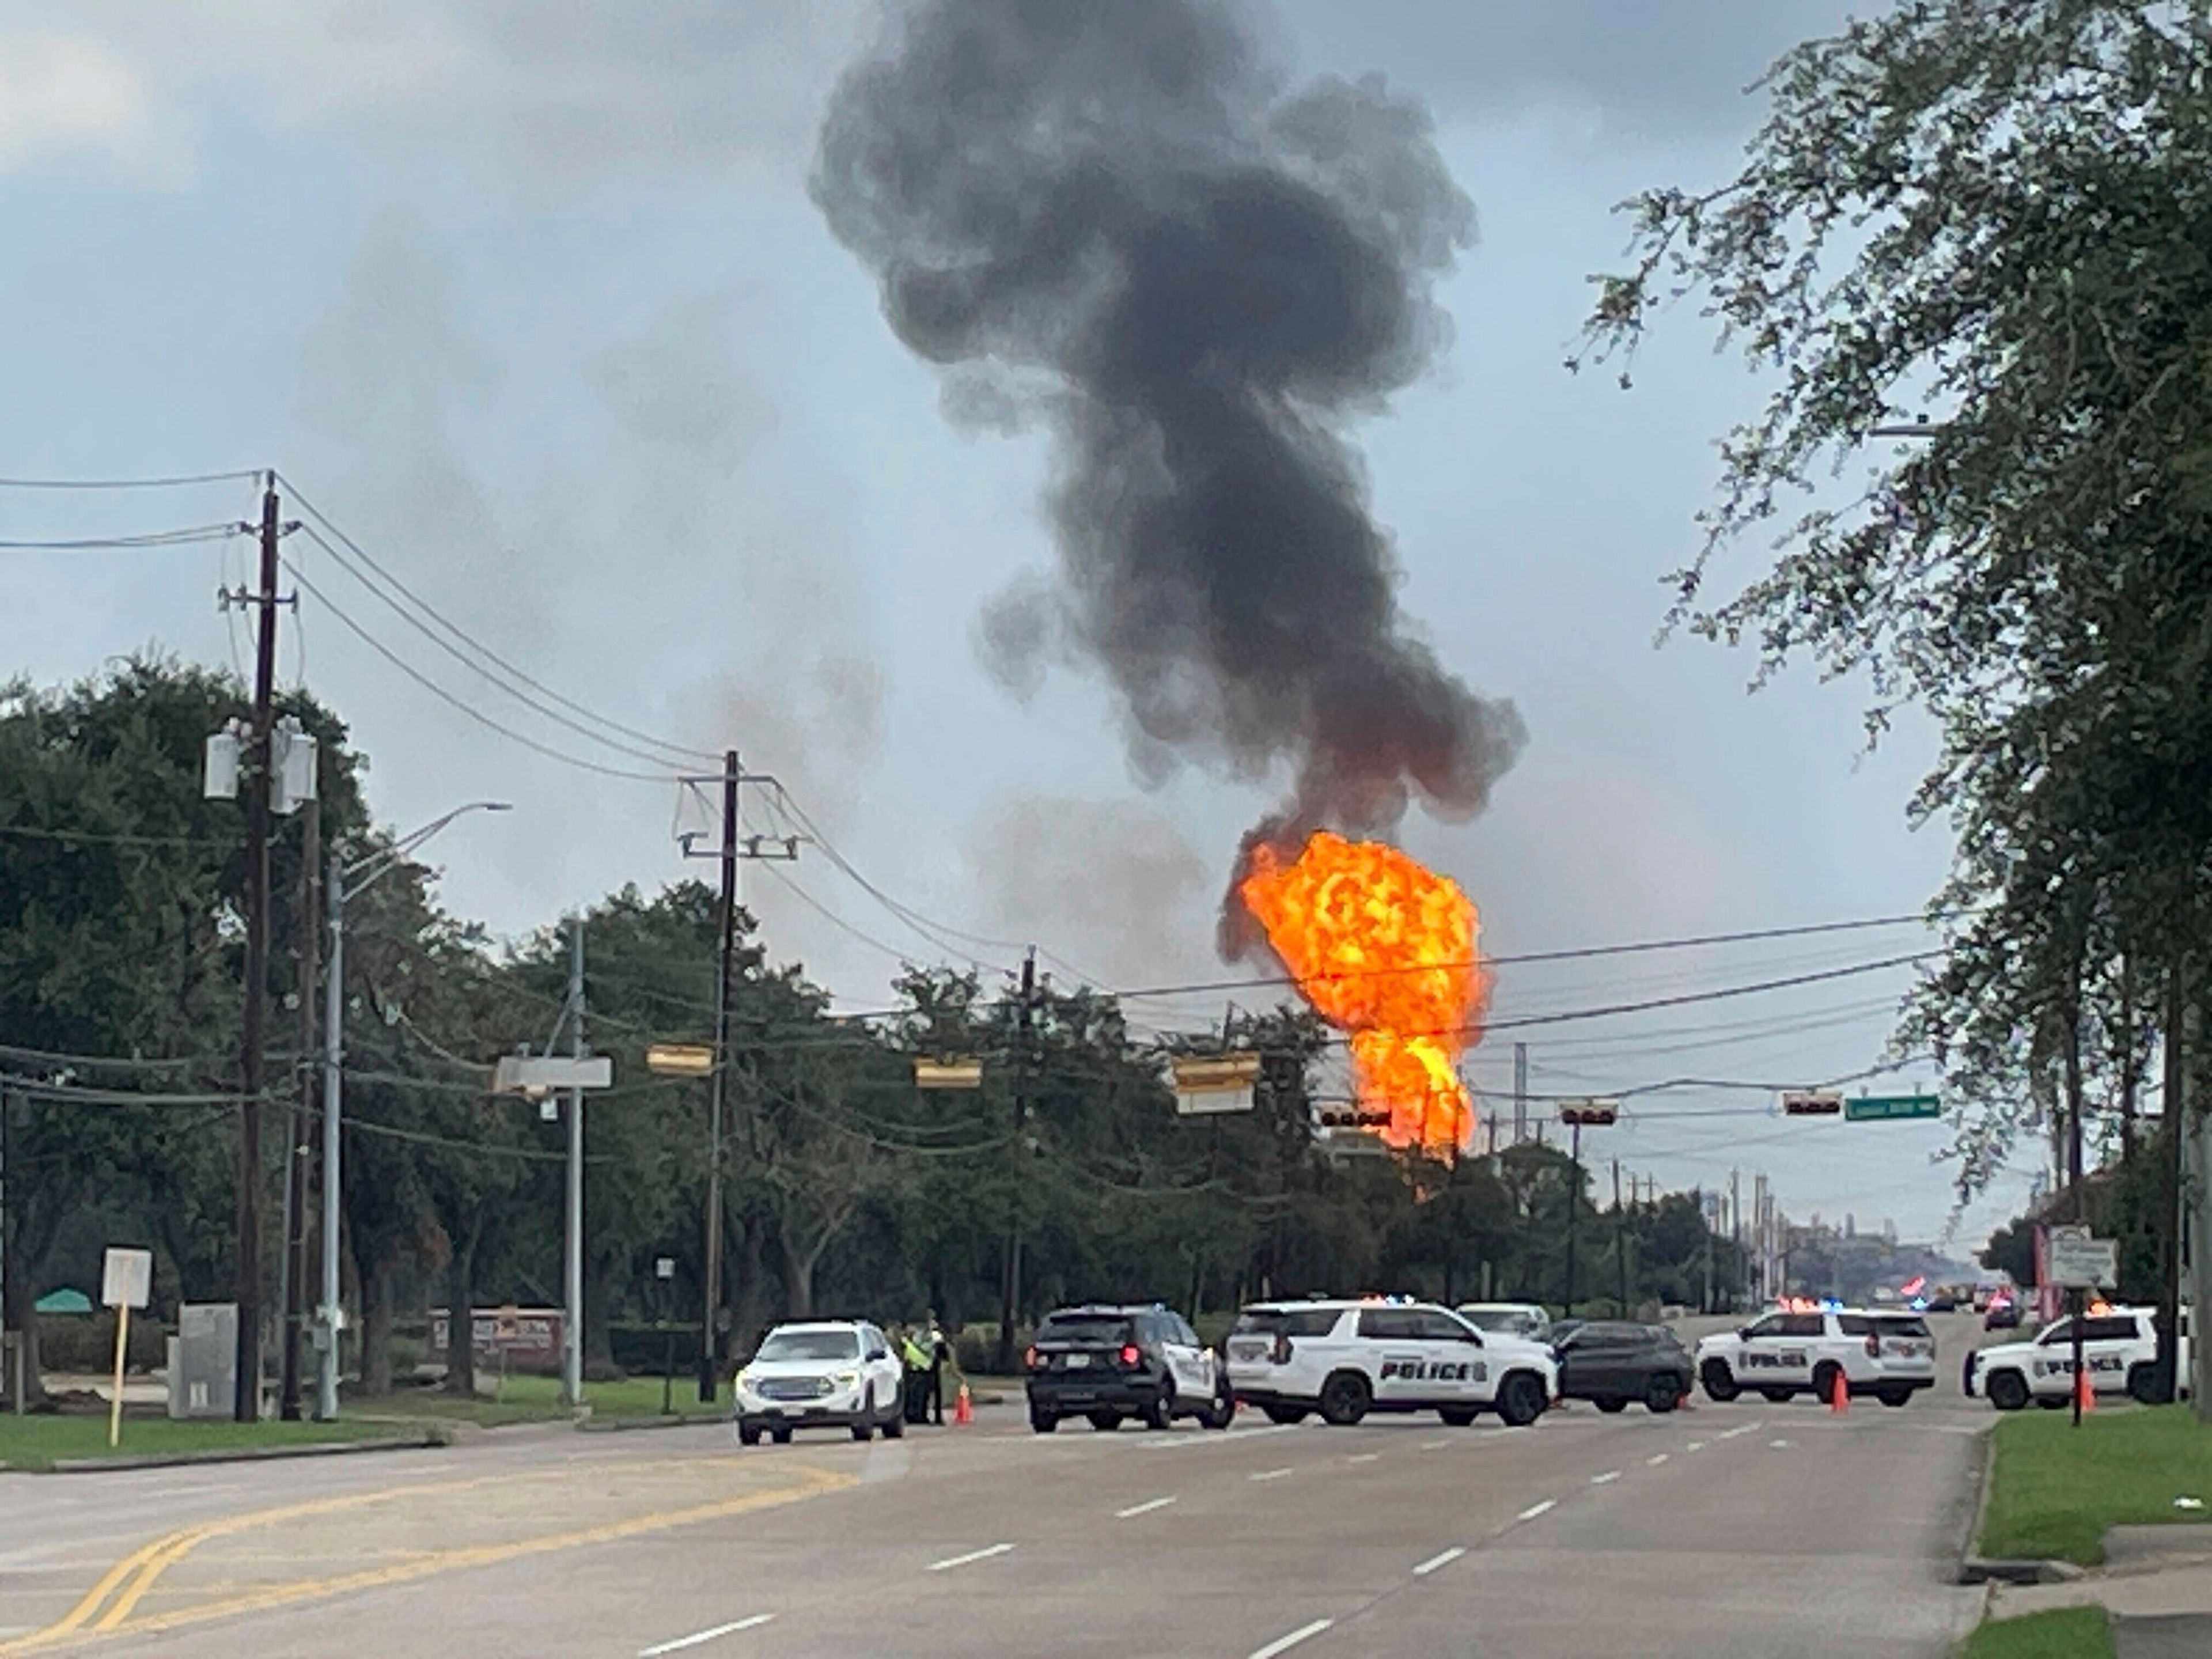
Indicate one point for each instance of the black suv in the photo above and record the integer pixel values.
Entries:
(1108, 1363)
(1612, 1362)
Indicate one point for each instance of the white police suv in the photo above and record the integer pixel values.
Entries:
(1344, 1359)
(2119, 1350)
(825, 1374)
(1889, 1355)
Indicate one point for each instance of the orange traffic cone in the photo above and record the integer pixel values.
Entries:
(1839, 1397)
(963, 1407)
(2085, 1396)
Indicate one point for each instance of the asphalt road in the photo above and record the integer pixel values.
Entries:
(1750, 1529)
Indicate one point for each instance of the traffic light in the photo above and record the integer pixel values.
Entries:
(1811, 1102)
(1589, 1114)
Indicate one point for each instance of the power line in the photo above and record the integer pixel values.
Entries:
(448, 698)
(246, 475)
(38, 832)
(475, 644)
(182, 537)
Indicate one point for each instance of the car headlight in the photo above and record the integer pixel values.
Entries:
(745, 1381)
(846, 1380)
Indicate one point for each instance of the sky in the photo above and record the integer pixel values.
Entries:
(532, 302)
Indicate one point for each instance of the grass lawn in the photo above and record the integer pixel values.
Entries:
(2068, 1633)
(2054, 1488)
(35, 1442)
(534, 1399)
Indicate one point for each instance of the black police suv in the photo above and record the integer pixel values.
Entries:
(1109, 1363)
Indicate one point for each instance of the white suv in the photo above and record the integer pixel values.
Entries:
(1889, 1355)
(837, 1373)
(2119, 1349)
(1344, 1359)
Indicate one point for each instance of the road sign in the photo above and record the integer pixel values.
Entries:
(537, 1074)
(1220, 1083)
(2078, 1261)
(1885, 1108)
(1589, 1114)
(1811, 1102)
(126, 1279)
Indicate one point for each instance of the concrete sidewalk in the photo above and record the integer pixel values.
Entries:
(2156, 1583)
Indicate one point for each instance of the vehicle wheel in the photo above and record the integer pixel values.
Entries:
(1825, 1378)
(895, 1426)
(1457, 1417)
(863, 1427)
(1777, 1397)
(1285, 1415)
(1520, 1399)
(1345, 1399)
(1221, 1414)
(1042, 1422)
(747, 1436)
(1664, 1394)
(1160, 1413)
(1895, 1397)
(2008, 1390)
(781, 1436)
(1106, 1422)
(1609, 1406)
(2143, 1383)
(1719, 1381)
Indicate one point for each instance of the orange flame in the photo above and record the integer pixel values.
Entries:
(1383, 949)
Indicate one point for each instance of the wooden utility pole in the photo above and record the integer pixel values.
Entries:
(299, 1149)
(1619, 1242)
(1010, 1280)
(710, 1366)
(246, 1407)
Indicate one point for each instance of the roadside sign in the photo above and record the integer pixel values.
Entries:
(126, 1279)
(1888, 1109)
(2078, 1261)
(535, 1074)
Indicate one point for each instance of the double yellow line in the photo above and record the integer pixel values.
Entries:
(112, 1600)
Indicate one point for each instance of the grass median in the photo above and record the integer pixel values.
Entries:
(2067, 1633)
(37, 1443)
(530, 1399)
(2054, 1489)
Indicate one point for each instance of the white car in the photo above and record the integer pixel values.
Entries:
(2119, 1350)
(1888, 1355)
(835, 1373)
(1344, 1359)
(1523, 1319)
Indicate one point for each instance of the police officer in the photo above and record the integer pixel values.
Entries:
(915, 1357)
(939, 1347)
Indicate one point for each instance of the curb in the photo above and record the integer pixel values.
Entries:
(1984, 1570)
(1972, 1566)
(626, 1425)
(246, 1454)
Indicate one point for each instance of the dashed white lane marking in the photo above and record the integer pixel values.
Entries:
(1655, 1460)
(973, 1555)
(1142, 1508)
(1284, 1643)
(700, 1637)
(1434, 1445)
(1606, 1479)
(1269, 1475)
(1364, 1457)
(1695, 1445)
(1536, 1510)
(1741, 1428)
(1444, 1560)
(1779, 1445)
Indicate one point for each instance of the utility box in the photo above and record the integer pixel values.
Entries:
(203, 1360)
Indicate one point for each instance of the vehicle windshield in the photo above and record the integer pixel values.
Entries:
(809, 1345)
(1100, 1327)
(1286, 1321)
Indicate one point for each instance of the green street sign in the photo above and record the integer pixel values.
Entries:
(1884, 1109)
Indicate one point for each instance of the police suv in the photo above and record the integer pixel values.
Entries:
(1891, 1356)
(1344, 1359)
(2119, 1350)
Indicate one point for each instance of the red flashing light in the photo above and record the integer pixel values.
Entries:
(1131, 1354)
(1033, 1359)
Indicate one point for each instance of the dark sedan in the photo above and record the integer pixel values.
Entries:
(1612, 1362)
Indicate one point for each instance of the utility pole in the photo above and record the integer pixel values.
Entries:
(299, 1150)
(571, 1320)
(246, 1407)
(1735, 1238)
(709, 1382)
(1574, 1193)
(1520, 1092)
(331, 1320)
(1010, 1284)
(1619, 1242)
(2172, 1150)
(1707, 1214)
(12, 1354)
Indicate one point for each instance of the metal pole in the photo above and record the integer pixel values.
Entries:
(1574, 1194)
(572, 1322)
(292, 1273)
(247, 1405)
(709, 1380)
(1520, 1092)
(1010, 1281)
(1620, 1241)
(326, 1371)
(12, 1352)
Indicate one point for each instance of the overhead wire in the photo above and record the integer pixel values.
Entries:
(174, 482)
(180, 538)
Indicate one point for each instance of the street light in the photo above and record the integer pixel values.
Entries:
(348, 882)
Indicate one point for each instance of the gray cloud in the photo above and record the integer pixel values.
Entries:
(678, 382)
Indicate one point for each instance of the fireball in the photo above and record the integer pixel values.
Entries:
(1384, 949)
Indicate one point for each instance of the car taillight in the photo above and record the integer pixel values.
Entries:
(1131, 1354)
(1034, 1360)
(1282, 1356)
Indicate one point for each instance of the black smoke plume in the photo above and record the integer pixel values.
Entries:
(1115, 216)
